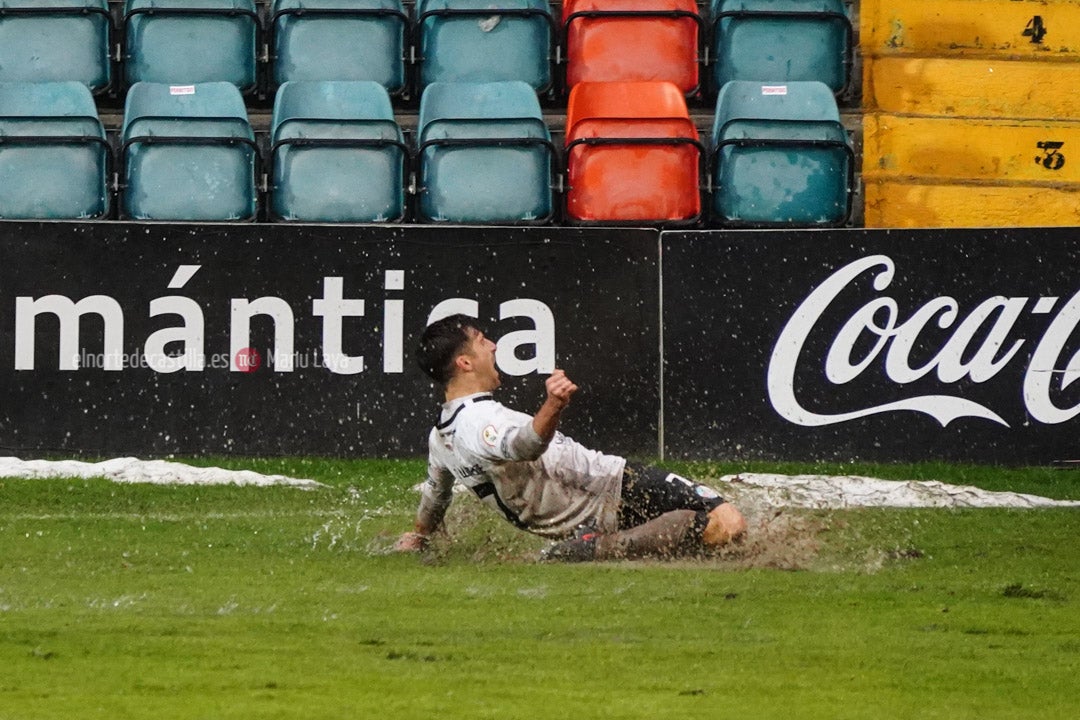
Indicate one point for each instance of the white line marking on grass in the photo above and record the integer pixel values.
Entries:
(835, 492)
(172, 517)
(156, 472)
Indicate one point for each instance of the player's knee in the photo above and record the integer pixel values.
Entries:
(726, 524)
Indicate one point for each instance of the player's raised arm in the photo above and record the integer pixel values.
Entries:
(527, 441)
(559, 391)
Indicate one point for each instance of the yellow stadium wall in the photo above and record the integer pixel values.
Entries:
(968, 121)
(1000, 29)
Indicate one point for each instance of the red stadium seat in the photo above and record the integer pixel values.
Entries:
(632, 40)
(632, 154)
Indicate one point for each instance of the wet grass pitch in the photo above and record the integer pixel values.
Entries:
(131, 601)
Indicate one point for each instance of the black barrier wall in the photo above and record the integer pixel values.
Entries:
(915, 345)
(274, 339)
(281, 339)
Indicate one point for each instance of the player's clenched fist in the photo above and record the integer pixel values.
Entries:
(559, 387)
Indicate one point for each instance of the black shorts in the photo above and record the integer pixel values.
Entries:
(649, 492)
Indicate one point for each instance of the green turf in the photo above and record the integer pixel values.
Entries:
(152, 602)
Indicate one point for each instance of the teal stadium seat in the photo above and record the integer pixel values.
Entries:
(485, 41)
(338, 154)
(55, 40)
(54, 159)
(781, 41)
(484, 153)
(339, 40)
(188, 153)
(780, 156)
(191, 41)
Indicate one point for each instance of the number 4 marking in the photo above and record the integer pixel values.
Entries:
(1035, 29)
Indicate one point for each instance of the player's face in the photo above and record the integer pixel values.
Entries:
(482, 353)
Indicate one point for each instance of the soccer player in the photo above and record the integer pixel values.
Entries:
(596, 506)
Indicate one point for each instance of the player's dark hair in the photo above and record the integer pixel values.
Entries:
(443, 341)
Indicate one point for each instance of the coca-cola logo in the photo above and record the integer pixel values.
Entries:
(975, 343)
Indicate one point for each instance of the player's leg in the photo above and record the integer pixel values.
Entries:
(673, 533)
(667, 535)
(725, 524)
(661, 515)
(649, 492)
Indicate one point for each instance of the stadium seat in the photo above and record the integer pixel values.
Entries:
(780, 156)
(188, 153)
(191, 41)
(54, 159)
(337, 153)
(339, 40)
(485, 154)
(781, 41)
(485, 41)
(632, 40)
(632, 154)
(54, 41)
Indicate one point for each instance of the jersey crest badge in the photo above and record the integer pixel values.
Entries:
(490, 435)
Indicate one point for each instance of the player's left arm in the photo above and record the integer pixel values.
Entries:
(435, 497)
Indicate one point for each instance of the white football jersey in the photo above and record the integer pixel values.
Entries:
(495, 452)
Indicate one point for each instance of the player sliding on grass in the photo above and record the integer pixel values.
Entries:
(598, 506)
